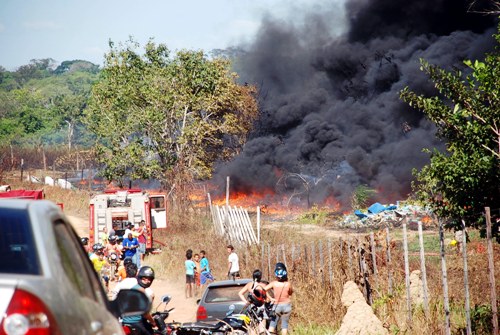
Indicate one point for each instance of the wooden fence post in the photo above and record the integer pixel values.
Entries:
(349, 254)
(447, 324)
(466, 280)
(407, 271)
(389, 260)
(330, 269)
(313, 260)
(258, 224)
(423, 268)
(278, 253)
(269, 261)
(284, 255)
(374, 253)
(262, 259)
(364, 273)
(321, 262)
(491, 266)
(306, 258)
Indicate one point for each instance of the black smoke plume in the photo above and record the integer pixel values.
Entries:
(330, 108)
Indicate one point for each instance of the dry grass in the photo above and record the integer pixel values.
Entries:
(317, 307)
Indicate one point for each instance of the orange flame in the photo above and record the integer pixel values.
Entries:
(268, 201)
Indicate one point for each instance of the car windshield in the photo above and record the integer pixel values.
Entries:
(17, 247)
(223, 294)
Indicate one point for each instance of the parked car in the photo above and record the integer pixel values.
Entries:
(47, 283)
(217, 297)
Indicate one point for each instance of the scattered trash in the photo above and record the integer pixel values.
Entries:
(379, 215)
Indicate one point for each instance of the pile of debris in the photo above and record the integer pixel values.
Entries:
(380, 216)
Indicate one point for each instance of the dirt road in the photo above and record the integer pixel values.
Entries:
(185, 309)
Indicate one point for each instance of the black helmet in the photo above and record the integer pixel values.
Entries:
(280, 272)
(98, 246)
(112, 239)
(84, 240)
(280, 266)
(145, 272)
(257, 275)
(127, 261)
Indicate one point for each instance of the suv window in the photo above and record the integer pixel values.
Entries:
(223, 294)
(17, 247)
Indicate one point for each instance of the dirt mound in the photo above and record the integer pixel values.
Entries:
(359, 318)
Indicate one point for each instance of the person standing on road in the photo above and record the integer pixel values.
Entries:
(205, 272)
(283, 290)
(103, 236)
(130, 246)
(112, 232)
(254, 293)
(196, 260)
(233, 271)
(251, 286)
(190, 269)
(141, 237)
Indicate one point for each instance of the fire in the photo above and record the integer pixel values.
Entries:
(268, 200)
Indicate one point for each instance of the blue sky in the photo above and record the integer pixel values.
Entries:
(71, 29)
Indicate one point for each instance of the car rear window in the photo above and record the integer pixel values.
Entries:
(17, 247)
(223, 294)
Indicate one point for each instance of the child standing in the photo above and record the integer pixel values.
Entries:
(190, 269)
(205, 272)
(196, 260)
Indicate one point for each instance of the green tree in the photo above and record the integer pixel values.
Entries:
(460, 182)
(361, 196)
(167, 117)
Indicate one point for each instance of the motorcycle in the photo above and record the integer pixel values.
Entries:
(234, 324)
(158, 316)
(161, 316)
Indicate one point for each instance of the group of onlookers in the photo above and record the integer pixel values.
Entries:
(198, 272)
(112, 248)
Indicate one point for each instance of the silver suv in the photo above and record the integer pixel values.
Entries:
(47, 283)
(218, 297)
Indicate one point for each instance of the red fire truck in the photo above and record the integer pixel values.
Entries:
(23, 194)
(120, 207)
(7, 192)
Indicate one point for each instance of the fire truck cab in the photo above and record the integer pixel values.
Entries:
(120, 207)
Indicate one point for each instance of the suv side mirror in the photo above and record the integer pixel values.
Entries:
(130, 302)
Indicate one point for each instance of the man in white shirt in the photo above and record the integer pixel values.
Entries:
(233, 271)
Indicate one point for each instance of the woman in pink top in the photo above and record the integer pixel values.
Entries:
(282, 289)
